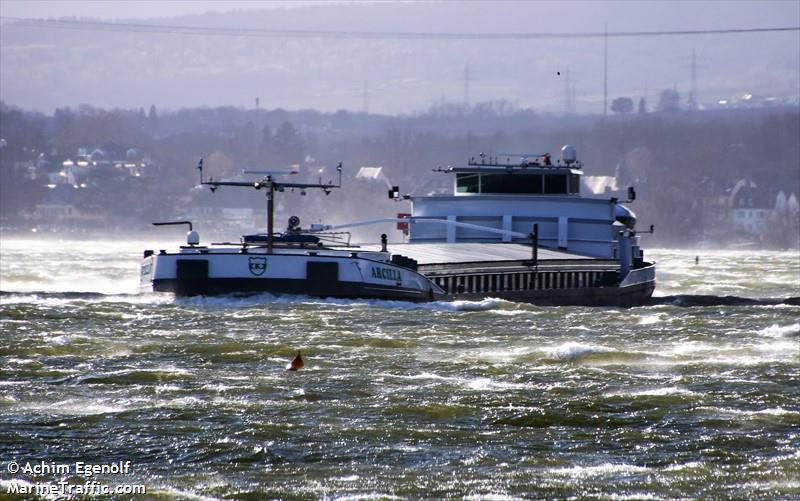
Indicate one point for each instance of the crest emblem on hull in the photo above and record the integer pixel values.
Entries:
(257, 265)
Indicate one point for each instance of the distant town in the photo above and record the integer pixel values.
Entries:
(706, 176)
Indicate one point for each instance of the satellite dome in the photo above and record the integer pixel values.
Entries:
(568, 154)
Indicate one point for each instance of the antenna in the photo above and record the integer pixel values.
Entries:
(366, 97)
(272, 186)
(272, 172)
(693, 92)
(569, 93)
(605, 70)
(362, 92)
(466, 85)
(696, 62)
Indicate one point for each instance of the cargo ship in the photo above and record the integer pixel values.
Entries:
(515, 227)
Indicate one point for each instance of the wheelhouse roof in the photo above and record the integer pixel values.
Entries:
(492, 169)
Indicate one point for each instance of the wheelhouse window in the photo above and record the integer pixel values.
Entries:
(555, 184)
(467, 183)
(511, 183)
(574, 183)
(517, 183)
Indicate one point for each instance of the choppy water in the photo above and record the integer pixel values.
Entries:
(480, 400)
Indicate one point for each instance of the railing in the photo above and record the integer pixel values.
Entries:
(524, 280)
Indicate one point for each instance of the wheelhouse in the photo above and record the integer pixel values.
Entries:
(557, 181)
(526, 174)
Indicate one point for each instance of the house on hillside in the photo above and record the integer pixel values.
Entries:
(58, 210)
(225, 209)
(106, 160)
(755, 210)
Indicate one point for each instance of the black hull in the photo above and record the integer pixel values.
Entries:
(633, 295)
(338, 289)
(565, 286)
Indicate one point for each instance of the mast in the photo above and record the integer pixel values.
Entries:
(271, 186)
(270, 213)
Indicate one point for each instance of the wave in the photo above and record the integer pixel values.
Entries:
(605, 469)
(59, 295)
(486, 304)
(246, 300)
(688, 300)
(60, 298)
(670, 391)
(239, 300)
(572, 350)
(776, 330)
(753, 413)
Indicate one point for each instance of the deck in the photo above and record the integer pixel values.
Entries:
(451, 253)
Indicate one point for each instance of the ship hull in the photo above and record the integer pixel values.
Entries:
(194, 273)
(633, 295)
(628, 296)
(557, 286)
(203, 272)
(249, 286)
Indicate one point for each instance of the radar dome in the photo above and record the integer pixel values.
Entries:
(568, 154)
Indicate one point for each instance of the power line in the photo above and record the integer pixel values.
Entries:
(87, 25)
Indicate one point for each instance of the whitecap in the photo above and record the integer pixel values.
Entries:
(514, 313)
(422, 375)
(771, 411)
(366, 495)
(692, 347)
(74, 407)
(654, 392)
(597, 470)
(685, 466)
(776, 330)
(16, 361)
(572, 350)
(161, 388)
(226, 301)
(218, 388)
(487, 384)
(650, 319)
(20, 485)
(633, 495)
(492, 497)
(348, 478)
(172, 492)
(659, 392)
(488, 303)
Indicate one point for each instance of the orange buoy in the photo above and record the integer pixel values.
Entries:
(297, 363)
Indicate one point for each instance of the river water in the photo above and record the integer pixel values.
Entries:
(479, 400)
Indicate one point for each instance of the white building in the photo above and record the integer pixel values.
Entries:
(754, 209)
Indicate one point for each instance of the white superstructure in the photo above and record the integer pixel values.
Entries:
(513, 196)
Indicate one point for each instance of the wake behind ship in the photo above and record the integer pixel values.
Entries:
(515, 227)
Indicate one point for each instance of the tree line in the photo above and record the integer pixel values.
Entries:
(676, 160)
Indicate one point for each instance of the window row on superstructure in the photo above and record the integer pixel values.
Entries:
(518, 183)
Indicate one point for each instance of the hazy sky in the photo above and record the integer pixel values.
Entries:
(44, 68)
(126, 9)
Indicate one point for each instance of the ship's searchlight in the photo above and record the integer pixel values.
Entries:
(625, 216)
